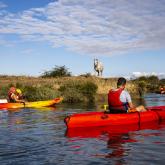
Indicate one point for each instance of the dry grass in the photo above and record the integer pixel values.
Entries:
(104, 85)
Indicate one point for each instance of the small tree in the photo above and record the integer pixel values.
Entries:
(142, 78)
(57, 71)
(162, 82)
(153, 79)
(153, 83)
(142, 87)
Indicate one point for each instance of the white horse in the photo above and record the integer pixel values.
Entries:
(98, 67)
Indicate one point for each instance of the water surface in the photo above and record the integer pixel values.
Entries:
(39, 136)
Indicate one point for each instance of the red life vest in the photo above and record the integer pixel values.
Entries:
(114, 102)
(11, 91)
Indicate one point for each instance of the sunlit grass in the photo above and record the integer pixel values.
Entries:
(81, 88)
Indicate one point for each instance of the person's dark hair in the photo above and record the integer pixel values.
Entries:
(121, 81)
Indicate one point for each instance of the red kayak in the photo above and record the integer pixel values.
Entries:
(99, 119)
(94, 132)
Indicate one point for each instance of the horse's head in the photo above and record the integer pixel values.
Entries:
(96, 61)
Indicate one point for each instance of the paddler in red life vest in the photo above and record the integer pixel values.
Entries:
(15, 95)
(119, 100)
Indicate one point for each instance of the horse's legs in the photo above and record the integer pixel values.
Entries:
(98, 73)
(95, 72)
(101, 72)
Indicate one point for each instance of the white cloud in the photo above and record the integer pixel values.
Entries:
(100, 27)
(139, 74)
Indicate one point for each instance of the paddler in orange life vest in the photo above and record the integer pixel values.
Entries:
(15, 95)
(119, 100)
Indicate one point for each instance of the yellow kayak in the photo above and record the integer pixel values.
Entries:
(46, 103)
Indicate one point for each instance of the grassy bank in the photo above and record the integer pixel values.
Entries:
(73, 89)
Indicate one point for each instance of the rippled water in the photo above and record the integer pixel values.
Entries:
(38, 136)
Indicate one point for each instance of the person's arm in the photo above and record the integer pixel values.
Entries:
(129, 100)
(14, 97)
(131, 106)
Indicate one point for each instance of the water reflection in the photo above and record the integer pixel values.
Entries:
(115, 143)
(120, 139)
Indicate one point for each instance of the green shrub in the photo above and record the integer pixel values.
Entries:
(39, 93)
(142, 78)
(89, 90)
(57, 71)
(142, 87)
(71, 92)
(153, 79)
(148, 84)
(162, 82)
(76, 91)
(4, 92)
(19, 85)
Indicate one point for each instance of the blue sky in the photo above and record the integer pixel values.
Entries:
(126, 36)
